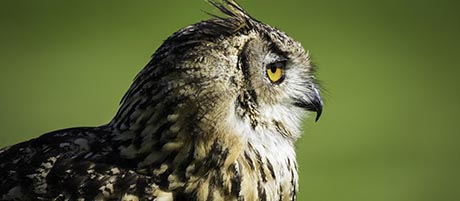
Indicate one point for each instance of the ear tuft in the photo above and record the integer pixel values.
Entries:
(233, 10)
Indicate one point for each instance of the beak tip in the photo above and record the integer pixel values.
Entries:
(317, 103)
(318, 113)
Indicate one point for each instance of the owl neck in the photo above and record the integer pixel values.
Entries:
(267, 164)
(264, 169)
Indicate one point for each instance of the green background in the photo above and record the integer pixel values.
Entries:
(390, 69)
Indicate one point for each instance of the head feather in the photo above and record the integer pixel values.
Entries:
(233, 10)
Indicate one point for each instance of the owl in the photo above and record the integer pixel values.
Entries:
(214, 115)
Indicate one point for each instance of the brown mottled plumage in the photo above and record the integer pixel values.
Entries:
(213, 116)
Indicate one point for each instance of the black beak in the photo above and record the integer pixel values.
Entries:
(313, 104)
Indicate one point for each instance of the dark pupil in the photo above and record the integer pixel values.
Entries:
(273, 68)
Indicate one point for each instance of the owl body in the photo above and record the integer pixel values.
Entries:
(213, 116)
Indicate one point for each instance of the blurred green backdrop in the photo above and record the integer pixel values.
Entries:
(390, 126)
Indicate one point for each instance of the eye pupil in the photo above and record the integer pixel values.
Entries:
(273, 68)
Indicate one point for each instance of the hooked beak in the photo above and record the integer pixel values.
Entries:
(313, 103)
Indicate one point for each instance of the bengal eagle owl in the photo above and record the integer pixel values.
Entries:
(214, 115)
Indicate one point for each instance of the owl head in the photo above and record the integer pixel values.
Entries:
(226, 72)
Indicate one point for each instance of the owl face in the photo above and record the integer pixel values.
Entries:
(277, 82)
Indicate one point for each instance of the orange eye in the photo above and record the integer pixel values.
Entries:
(275, 72)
